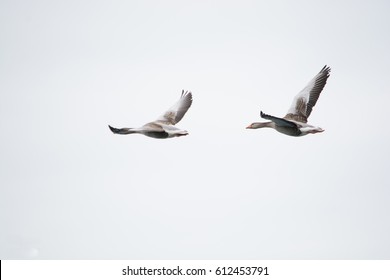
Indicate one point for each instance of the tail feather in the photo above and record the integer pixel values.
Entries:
(121, 130)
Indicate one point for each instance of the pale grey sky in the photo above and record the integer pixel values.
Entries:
(70, 189)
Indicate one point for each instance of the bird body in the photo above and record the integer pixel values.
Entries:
(164, 126)
(295, 121)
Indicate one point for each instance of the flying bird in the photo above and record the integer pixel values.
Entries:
(164, 126)
(295, 122)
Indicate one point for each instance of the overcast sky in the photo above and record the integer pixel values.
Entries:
(71, 189)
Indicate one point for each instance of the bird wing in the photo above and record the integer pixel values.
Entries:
(178, 110)
(152, 127)
(278, 121)
(306, 99)
(124, 130)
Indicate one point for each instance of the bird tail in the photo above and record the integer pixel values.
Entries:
(121, 130)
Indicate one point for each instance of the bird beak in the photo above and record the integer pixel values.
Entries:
(249, 126)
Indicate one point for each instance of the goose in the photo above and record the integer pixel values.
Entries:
(164, 126)
(295, 122)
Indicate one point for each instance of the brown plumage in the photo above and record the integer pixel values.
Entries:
(294, 123)
(164, 126)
